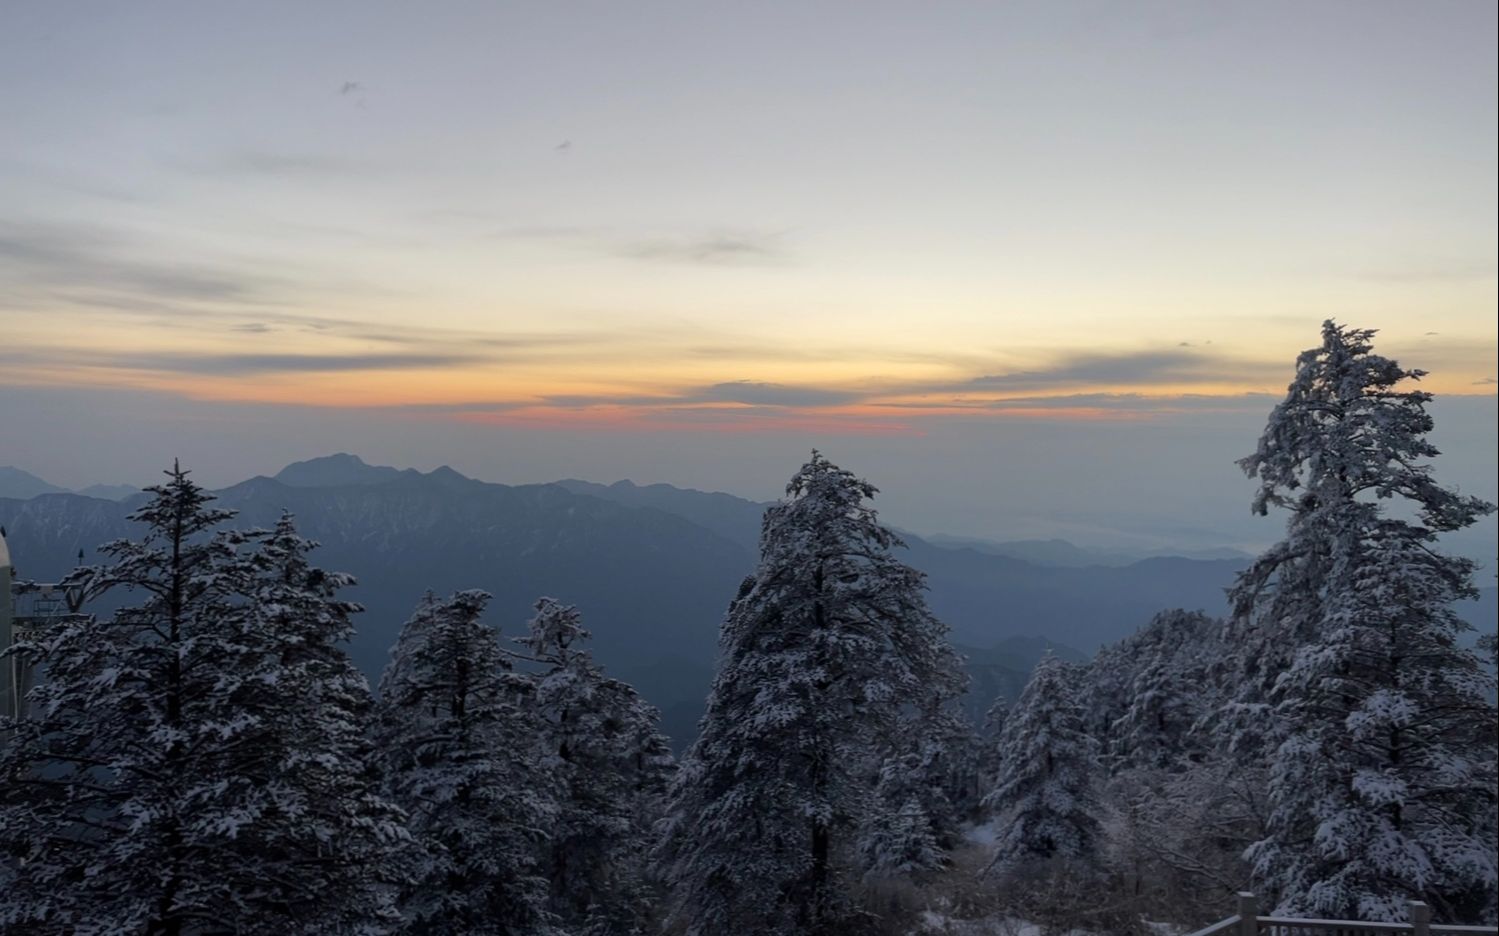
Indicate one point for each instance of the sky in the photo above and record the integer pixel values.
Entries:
(1034, 268)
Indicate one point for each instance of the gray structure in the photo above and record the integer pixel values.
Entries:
(25, 607)
(9, 698)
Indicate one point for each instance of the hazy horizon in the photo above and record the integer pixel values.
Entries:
(1177, 486)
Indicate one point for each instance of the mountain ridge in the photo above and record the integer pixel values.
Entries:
(652, 583)
(18, 484)
(22, 485)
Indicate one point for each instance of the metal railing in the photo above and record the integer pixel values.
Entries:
(1248, 922)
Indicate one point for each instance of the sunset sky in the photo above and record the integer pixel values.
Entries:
(631, 235)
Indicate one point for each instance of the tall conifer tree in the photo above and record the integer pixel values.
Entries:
(193, 763)
(1380, 724)
(826, 655)
(610, 766)
(1045, 800)
(460, 749)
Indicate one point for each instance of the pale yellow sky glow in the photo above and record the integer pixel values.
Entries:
(714, 223)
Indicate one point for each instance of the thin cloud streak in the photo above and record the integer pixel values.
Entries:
(264, 364)
(892, 405)
(76, 261)
(1174, 366)
(722, 247)
(269, 163)
(708, 250)
(1132, 369)
(746, 392)
(1135, 402)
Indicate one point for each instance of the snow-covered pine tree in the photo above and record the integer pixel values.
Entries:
(935, 763)
(1169, 692)
(1045, 800)
(929, 776)
(989, 733)
(1488, 645)
(901, 844)
(1382, 784)
(160, 785)
(1343, 436)
(826, 654)
(1104, 694)
(610, 765)
(347, 844)
(952, 760)
(1384, 790)
(106, 785)
(459, 749)
(1177, 816)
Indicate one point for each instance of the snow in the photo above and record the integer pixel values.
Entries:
(933, 923)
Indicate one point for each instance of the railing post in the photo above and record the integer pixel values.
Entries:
(1249, 920)
(1421, 918)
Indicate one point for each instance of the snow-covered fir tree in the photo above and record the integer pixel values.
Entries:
(1172, 667)
(1488, 645)
(934, 767)
(1045, 803)
(909, 824)
(1384, 790)
(1382, 784)
(610, 766)
(1176, 816)
(901, 842)
(1343, 436)
(952, 754)
(460, 749)
(178, 773)
(989, 733)
(826, 654)
(313, 751)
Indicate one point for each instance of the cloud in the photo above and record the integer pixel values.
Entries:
(326, 346)
(745, 392)
(69, 260)
(1443, 355)
(462, 407)
(254, 364)
(708, 249)
(1039, 390)
(1485, 382)
(1130, 402)
(48, 246)
(722, 247)
(1136, 368)
(778, 419)
(771, 394)
(103, 271)
(264, 162)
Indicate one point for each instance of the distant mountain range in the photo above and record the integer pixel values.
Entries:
(1059, 552)
(23, 485)
(652, 567)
